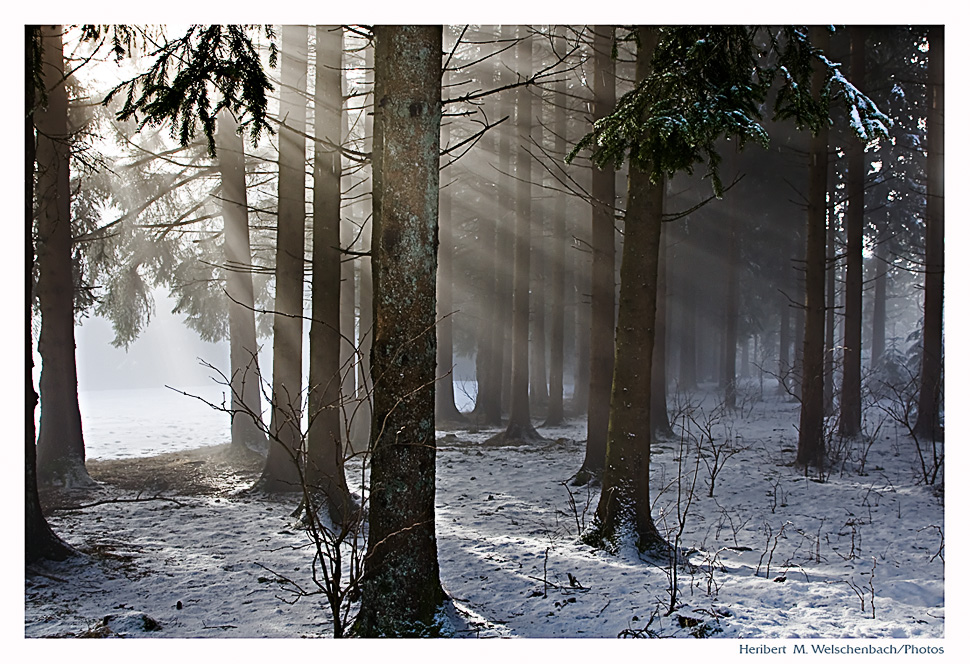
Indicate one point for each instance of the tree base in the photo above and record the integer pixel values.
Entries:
(274, 485)
(586, 476)
(47, 546)
(648, 541)
(423, 616)
(450, 418)
(67, 475)
(243, 454)
(344, 511)
(517, 434)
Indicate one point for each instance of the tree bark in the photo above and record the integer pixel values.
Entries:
(557, 267)
(348, 291)
(40, 541)
(602, 281)
(582, 269)
(362, 413)
(931, 365)
(850, 407)
(281, 472)
(488, 356)
(401, 590)
(729, 375)
(659, 421)
(520, 427)
(784, 348)
(445, 409)
(811, 440)
(623, 511)
(686, 334)
(60, 444)
(881, 262)
(539, 381)
(831, 267)
(324, 439)
(506, 239)
(245, 376)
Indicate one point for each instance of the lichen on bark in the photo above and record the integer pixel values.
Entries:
(401, 591)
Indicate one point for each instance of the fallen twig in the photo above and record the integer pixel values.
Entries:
(122, 500)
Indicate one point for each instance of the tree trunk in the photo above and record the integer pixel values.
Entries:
(348, 292)
(520, 428)
(557, 267)
(811, 440)
(784, 348)
(729, 376)
(245, 377)
(850, 407)
(602, 282)
(831, 267)
(281, 472)
(401, 590)
(582, 268)
(324, 439)
(360, 426)
(505, 241)
(60, 445)
(623, 511)
(881, 261)
(687, 333)
(363, 410)
(40, 542)
(445, 409)
(488, 356)
(539, 382)
(798, 321)
(931, 365)
(659, 421)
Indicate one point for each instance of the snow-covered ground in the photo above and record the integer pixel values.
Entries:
(773, 554)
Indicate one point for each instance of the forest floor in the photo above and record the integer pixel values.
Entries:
(175, 546)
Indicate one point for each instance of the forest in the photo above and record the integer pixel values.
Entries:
(519, 330)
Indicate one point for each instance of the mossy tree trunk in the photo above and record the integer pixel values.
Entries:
(623, 510)
(401, 590)
(60, 444)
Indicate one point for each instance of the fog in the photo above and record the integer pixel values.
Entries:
(173, 245)
(167, 353)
